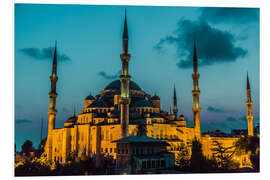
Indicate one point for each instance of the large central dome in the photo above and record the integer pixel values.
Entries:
(116, 85)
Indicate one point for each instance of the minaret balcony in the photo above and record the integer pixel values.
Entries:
(52, 111)
(53, 78)
(125, 57)
(124, 100)
(249, 102)
(196, 92)
(249, 116)
(53, 94)
(124, 77)
(195, 75)
(196, 109)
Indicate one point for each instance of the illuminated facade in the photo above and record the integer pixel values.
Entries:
(123, 109)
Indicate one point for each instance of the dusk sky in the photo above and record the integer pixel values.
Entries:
(160, 42)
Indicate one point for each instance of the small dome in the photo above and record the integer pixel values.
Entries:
(90, 97)
(155, 97)
(98, 103)
(182, 115)
(71, 119)
(116, 85)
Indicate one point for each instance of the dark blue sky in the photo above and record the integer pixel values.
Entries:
(161, 39)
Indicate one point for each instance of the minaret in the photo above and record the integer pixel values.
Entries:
(175, 110)
(249, 110)
(125, 79)
(52, 111)
(196, 93)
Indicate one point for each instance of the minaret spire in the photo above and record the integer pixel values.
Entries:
(175, 109)
(196, 93)
(54, 70)
(195, 59)
(74, 111)
(125, 79)
(248, 85)
(249, 109)
(248, 89)
(54, 77)
(125, 35)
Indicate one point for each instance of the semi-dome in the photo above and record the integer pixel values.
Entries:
(116, 85)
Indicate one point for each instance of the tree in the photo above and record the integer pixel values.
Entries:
(255, 160)
(107, 164)
(249, 144)
(142, 130)
(183, 160)
(197, 159)
(198, 162)
(223, 156)
(32, 169)
(42, 144)
(27, 147)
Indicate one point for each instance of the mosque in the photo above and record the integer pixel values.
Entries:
(123, 109)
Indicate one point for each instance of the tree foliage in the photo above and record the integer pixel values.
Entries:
(249, 144)
(223, 156)
(197, 159)
(199, 163)
(142, 130)
(81, 166)
(27, 147)
(183, 160)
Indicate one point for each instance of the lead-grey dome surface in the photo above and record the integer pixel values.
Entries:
(116, 85)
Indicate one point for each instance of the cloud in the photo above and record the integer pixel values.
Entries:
(22, 121)
(226, 125)
(240, 119)
(43, 54)
(109, 77)
(213, 45)
(212, 109)
(243, 118)
(231, 119)
(212, 126)
(230, 15)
